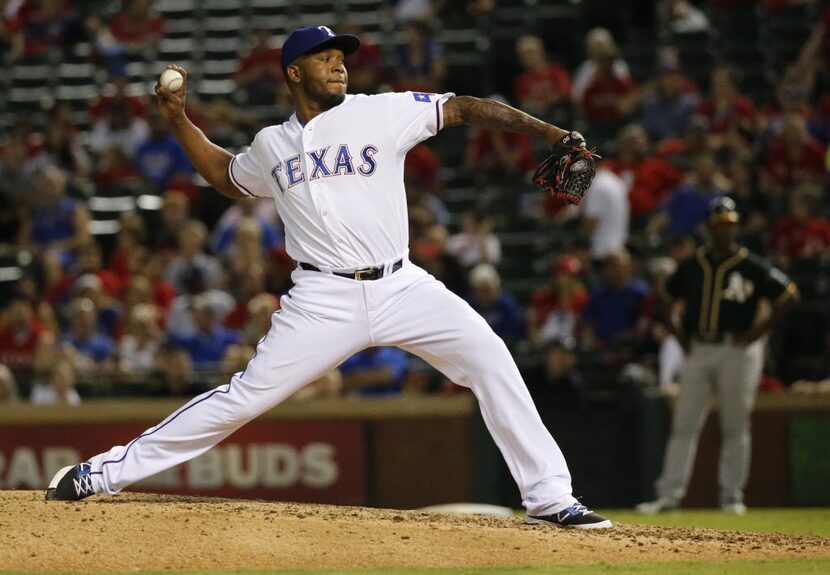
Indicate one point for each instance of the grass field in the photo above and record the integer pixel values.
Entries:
(807, 521)
(790, 521)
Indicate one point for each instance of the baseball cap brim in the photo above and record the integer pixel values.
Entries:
(724, 217)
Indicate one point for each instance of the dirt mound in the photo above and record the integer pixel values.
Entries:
(152, 532)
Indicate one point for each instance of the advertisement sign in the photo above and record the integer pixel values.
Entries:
(321, 461)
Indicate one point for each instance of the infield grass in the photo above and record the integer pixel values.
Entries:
(807, 521)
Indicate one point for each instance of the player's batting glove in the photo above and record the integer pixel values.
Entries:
(569, 169)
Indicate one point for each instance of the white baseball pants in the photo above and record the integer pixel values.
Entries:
(325, 319)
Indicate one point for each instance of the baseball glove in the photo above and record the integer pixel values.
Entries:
(568, 171)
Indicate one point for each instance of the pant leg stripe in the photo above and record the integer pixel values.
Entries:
(163, 424)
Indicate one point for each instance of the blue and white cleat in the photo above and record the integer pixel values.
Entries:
(71, 483)
(577, 516)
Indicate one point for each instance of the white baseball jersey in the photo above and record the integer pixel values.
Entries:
(338, 180)
(607, 202)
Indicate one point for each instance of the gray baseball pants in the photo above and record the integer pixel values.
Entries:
(733, 372)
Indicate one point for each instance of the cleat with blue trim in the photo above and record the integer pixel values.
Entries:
(71, 483)
(577, 516)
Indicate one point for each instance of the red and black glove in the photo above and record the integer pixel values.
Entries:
(567, 173)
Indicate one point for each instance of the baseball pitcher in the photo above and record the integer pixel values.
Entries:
(335, 171)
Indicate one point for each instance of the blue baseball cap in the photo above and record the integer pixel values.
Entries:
(304, 40)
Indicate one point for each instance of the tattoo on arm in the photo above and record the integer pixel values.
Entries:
(491, 115)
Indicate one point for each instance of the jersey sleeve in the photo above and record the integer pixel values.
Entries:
(776, 284)
(416, 116)
(246, 174)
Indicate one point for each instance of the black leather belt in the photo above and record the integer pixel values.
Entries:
(362, 274)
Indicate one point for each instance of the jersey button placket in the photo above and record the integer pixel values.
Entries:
(316, 199)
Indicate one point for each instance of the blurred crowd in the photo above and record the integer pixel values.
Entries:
(175, 294)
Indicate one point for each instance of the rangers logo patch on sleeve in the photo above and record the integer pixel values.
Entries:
(421, 96)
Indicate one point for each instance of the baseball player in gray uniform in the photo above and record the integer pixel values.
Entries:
(335, 171)
(718, 290)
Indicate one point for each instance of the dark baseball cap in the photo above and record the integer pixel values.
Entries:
(304, 40)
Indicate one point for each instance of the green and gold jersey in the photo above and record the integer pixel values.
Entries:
(722, 296)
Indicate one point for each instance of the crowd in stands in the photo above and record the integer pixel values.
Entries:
(175, 297)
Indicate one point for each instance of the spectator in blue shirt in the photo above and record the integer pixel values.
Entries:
(223, 234)
(208, 344)
(684, 211)
(499, 308)
(87, 349)
(616, 311)
(161, 158)
(665, 110)
(59, 224)
(375, 371)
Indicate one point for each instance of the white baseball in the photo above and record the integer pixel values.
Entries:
(172, 80)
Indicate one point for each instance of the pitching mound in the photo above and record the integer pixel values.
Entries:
(152, 532)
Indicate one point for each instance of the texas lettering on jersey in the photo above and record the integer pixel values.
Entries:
(324, 163)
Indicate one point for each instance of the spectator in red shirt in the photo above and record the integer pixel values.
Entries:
(115, 170)
(116, 91)
(246, 285)
(259, 76)
(138, 25)
(793, 158)
(650, 178)
(543, 85)
(604, 103)
(130, 253)
(143, 290)
(39, 26)
(500, 153)
(725, 107)
(422, 169)
(557, 306)
(597, 42)
(26, 346)
(496, 153)
(791, 95)
(422, 174)
(801, 233)
(175, 211)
